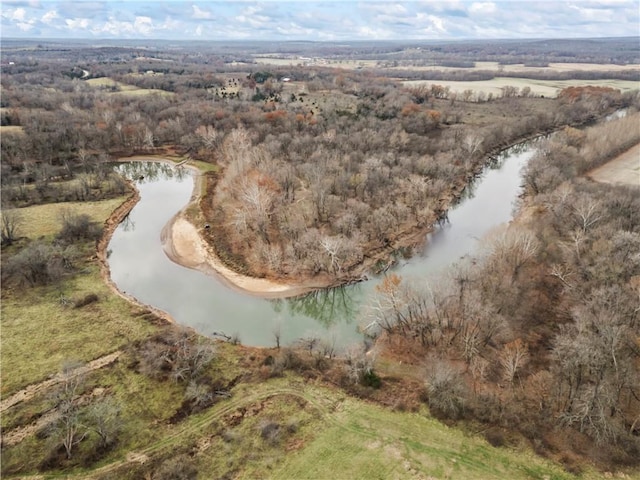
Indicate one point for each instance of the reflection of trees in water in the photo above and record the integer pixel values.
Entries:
(328, 306)
(144, 172)
(127, 224)
(495, 163)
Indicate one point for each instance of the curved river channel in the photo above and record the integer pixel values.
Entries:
(140, 267)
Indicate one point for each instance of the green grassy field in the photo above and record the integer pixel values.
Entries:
(44, 220)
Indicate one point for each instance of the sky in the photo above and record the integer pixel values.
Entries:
(319, 20)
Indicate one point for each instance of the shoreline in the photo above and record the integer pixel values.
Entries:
(110, 225)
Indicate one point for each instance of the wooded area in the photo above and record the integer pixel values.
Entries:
(328, 173)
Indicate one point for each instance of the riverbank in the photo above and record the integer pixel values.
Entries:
(110, 226)
(184, 245)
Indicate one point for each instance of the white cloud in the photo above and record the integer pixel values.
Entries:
(254, 21)
(200, 14)
(385, 8)
(18, 15)
(77, 23)
(482, 8)
(143, 25)
(437, 23)
(49, 17)
(593, 14)
(376, 33)
(25, 27)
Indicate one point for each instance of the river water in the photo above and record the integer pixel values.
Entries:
(140, 267)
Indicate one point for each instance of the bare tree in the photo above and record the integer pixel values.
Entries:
(512, 358)
(11, 222)
(359, 363)
(446, 390)
(104, 419)
(69, 429)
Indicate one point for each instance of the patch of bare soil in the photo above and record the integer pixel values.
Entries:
(17, 435)
(624, 169)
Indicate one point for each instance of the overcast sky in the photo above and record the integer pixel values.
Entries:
(319, 20)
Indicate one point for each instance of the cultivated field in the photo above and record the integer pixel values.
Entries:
(625, 169)
(547, 88)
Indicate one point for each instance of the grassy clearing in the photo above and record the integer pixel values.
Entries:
(520, 67)
(367, 441)
(40, 327)
(44, 220)
(39, 333)
(204, 167)
(11, 129)
(548, 88)
(123, 88)
(624, 169)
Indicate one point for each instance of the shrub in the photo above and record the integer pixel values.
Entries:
(78, 227)
(39, 263)
(89, 298)
(446, 391)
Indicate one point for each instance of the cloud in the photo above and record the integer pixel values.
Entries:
(315, 20)
(200, 14)
(77, 23)
(49, 17)
(18, 15)
(483, 8)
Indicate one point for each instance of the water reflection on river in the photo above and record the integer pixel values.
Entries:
(140, 267)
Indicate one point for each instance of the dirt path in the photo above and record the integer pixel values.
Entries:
(37, 388)
(15, 436)
(624, 169)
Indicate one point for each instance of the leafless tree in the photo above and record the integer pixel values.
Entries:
(513, 357)
(11, 223)
(68, 428)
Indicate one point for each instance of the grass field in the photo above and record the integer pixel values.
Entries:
(40, 331)
(624, 169)
(123, 88)
(278, 59)
(365, 441)
(44, 220)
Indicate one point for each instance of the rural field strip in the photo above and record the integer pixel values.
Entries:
(32, 390)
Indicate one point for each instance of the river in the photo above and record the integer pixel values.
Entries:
(140, 267)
